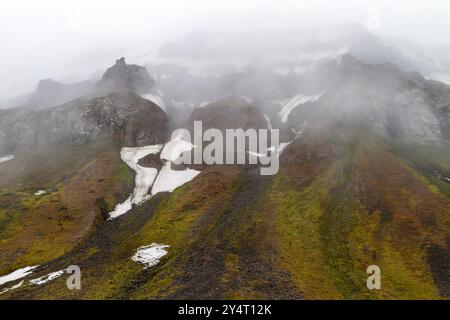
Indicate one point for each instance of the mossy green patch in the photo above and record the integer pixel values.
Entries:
(298, 222)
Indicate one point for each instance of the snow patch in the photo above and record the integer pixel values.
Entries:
(7, 158)
(248, 100)
(440, 176)
(143, 180)
(18, 274)
(269, 124)
(168, 179)
(281, 148)
(156, 99)
(442, 77)
(40, 192)
(287, 105)
(16, 286)
(277, 150)
(150, 255)
(47, 278)
(175, 147)
(204, 103)
(121, 208)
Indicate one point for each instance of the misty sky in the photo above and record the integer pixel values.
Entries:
(63, 39)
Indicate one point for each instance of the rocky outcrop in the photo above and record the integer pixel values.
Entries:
(393, 103)
(51, 93)
(229, 113)
(121, 77)
(126, 77)
(124, 116)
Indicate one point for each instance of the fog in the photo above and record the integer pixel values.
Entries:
(73, 40)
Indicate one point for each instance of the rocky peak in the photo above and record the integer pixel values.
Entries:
(50, 93)
(126, 77)
(47, 85)
(229, 113)
(121, 61)
(392, 102)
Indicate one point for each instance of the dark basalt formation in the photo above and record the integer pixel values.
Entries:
(132, 120)
(126, 77)
(229, 113)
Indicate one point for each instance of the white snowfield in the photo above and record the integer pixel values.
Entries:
(166, 180)
(131, 156)
(7, 158)
(121, 208)
(47, 278)
(204, 104)
(143, 180)
(269, 124)
(281, 148)
(175, 147)
(276, 150)
(18, 274)
(440, 176)
(16, 286)
(287, 105)
(150, 255)
(156, 99)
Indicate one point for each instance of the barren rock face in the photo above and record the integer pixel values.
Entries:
(126, 116)
(126, 77)
(229, 113)
(392, 102)
(50, 93)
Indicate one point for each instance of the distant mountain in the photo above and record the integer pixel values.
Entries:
(394, 103)
(230, 112)
(294, 50)
(118, 78)
(51, 93)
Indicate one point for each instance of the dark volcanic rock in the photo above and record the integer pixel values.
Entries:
(51, 93)
(120, 77)
(229, 113)
(124, 116)
(393, 103)
(126, 77)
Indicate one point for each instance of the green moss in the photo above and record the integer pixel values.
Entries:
(9, 224)
(45, 227)
(124, 174)
(172, 223)
(298, 221)
(328, 239)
